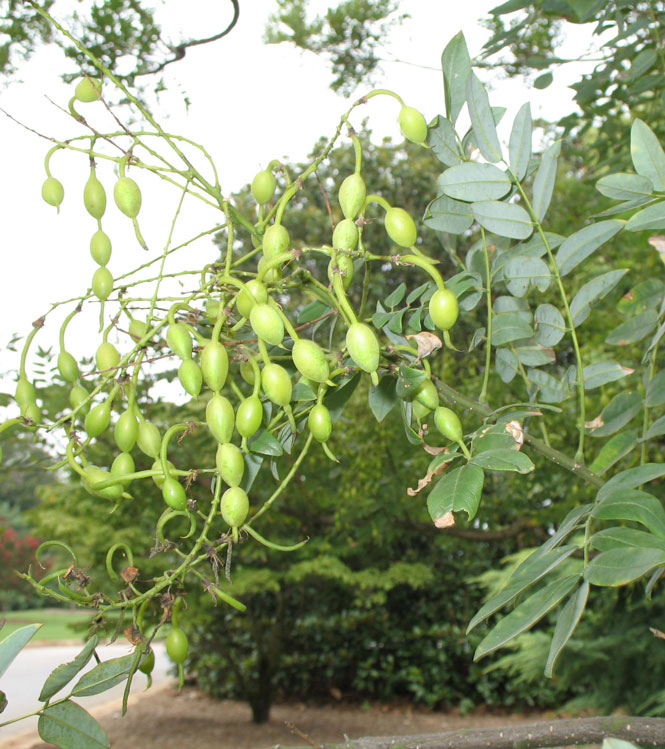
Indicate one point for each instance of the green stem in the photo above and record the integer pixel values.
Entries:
(488, 348)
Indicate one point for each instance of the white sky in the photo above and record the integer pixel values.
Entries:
(250, 103)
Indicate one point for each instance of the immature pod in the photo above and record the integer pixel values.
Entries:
(427, 395)
(158, 478)
(100, 247)
(230, 463)
(263, 186)
(310, 360)
(275, 240)
(98, 419)
(126, 430)
(267, 323)
(191, 377)
(137, 329)
(107, 356)
(127, 196)
(345, 235)
(212, 309)
(413, 125)
(177, 645)
(173, 493)
(363, 346)
(77, 395)
(234, 506)
(352, 194)
(122, 466)
(247, 372)
(88, 90)
(53, 192)
(444, 309)
(220, 418)
(273, 275)
(102, 283)
(94, 196)
(214, 365)
(149, 439)
(32, 412)
(93, 475)
(420, 410)
(276, 384)
(257, 293)
(319, 423)
(343, 266)
(179, 340)
(401, 227)
(449, 424)
(68, 366)
(249, 416)
(25, 392)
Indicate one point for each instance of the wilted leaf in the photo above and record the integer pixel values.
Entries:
(426, 342)
(445, 521)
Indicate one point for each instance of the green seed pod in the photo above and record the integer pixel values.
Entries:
(123, 465)
(345, 236)
(88, 90)
(32, 412)
(93, 475)
(53, 192)
(214, 365)
(234, 506)
(420, 410)
(319, 423)
(191, 377)
(76, 396)
(212, 309)
(344, 267)
(401, 227)
(275, 240)
(267, 323)
(25, 392)
(276, 384)
(94, 196)
(230, 463)
(179, 340)
(249, 416)
(220, 418)
(148, 663)
(159, 477)
(413, 125)
(102, 283)
(100, 247)
(127, 196)
(273, 275)
(126, 430)
(352, 194)
(428, 395)
(263, 187)
(98, 419)
(68, 367)
(363, 346)
(149, 439)
(174, 493)
(247, 372)
(444, 309)
(257, 293)
(137, 329)
(107, 356)
(310, 360)
(177, 645)
(448, 423)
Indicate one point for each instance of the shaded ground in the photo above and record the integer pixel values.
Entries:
(166, 720)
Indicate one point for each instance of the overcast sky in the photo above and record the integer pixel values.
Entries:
(250, 103)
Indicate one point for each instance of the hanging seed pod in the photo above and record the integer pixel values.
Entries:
(100, 247)
(275, 240)
(220, 418)
(352, 194)
(234, 506)
(98, 419)
(249, 416)
(319, 423)
(149, 439)
(413, 125)
(107, 356)
(126, 430)
(267, 323)
(214, 365)
(230, 463)
(401, 227)
(68, 366)
(191, 377)
(363, 347)
(310, 360)
(257, 293)
(53, 192)
(263, 187)
(173, 493)
(444, 309)
(179, 340)
(127, 196)
(94, 196)
(276, 384)
(123, 465)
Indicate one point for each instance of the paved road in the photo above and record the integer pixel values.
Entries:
(23, 680)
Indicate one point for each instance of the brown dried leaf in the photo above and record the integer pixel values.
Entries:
(427, 479)
(445, 521)
(514, 429)
(597, 422)
(658, 243)
(657, 633)
(426, 342)
(133, 634)
(129, 574)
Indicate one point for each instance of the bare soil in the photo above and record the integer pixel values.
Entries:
(164, 719)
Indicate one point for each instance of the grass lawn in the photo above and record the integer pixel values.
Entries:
(58, 624)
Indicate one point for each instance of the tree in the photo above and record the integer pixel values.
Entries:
(505, 274)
